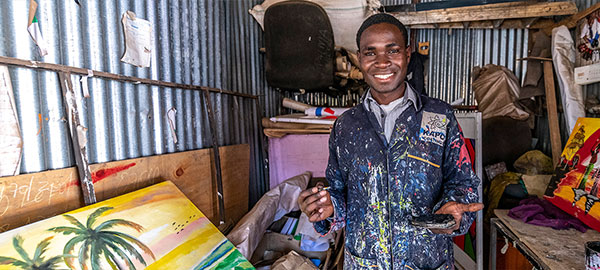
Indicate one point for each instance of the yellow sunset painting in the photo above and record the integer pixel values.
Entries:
(152, 228)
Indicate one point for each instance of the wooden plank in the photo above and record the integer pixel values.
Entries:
(571, 22)
(552, 112)
(488, 24)
(280, 132)
(32, 197)
(536, 58)
(558, 249)
(511, 10)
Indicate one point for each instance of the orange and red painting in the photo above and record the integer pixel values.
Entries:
(152, 228)
(576, 186)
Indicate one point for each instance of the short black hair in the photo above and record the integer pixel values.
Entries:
(381, 18)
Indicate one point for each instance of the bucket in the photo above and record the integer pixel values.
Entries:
(592, 255)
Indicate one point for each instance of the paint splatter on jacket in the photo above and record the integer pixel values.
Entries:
(377, 187)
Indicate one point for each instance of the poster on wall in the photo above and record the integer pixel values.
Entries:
(576, 185)
(587, 36)
(152, 228)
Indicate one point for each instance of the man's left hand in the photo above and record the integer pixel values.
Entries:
(456, 210)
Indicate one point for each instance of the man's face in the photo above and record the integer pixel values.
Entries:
(383, 58)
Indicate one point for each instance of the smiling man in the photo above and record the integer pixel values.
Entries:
(396, 156)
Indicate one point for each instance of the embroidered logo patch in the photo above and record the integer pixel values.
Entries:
(433, 128)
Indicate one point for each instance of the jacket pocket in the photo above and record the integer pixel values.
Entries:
(358, 263)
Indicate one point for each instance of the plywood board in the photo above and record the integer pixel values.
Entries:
(235, 167)
(31, 197)
(152, 228)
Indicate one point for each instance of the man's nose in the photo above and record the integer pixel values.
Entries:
(382, 60)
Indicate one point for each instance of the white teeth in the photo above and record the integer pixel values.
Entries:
(383, 77)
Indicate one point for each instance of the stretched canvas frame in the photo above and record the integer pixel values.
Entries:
(153, 228)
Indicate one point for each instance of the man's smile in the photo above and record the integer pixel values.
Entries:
(383, 76)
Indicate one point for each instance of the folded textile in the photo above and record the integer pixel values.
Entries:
(540, 212)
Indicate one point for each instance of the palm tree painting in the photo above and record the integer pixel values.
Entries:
(102, 243)
(38, 262)
(154, 228)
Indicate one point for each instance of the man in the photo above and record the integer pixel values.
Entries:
(396, 156)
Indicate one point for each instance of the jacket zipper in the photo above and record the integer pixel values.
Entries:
(389, 201)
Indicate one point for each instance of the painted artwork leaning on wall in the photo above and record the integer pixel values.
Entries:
(152, 228)
(576, 186)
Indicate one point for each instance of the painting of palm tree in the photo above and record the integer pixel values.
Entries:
(38, 262)
(100, 242)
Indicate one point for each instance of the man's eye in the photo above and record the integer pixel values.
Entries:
(369, 54)
(394, 51)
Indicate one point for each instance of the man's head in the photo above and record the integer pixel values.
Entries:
(381, 18)
(383, 55)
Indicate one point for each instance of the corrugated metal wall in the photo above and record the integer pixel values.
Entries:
(208, 43)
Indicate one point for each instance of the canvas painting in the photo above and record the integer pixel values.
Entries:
(152, 228)
(575, 187)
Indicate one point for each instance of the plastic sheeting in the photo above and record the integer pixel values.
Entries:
(345, 16)
(272, 206)
(496, 90)
(563, 56)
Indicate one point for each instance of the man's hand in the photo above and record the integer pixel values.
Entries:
(456, 210)
(316, 203)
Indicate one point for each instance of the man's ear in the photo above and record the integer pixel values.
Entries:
(408, 52)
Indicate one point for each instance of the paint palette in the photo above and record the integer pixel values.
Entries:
(152, 228)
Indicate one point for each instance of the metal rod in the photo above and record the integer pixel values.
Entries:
(215, 145)
(493, 239)
(112, 76)
(76, 130)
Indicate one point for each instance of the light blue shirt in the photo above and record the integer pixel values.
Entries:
(388, 115)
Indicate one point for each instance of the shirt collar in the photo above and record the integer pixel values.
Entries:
(409, 94)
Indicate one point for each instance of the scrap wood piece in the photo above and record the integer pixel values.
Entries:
(280, 132)
(510, 10)
(267, 123)
(571, 21)
(523, 23)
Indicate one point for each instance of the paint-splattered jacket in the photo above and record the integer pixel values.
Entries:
(377, 187)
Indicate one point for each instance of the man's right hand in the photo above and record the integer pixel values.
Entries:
(316, 204)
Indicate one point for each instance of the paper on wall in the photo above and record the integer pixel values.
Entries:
(139, 40)
(33, 27)
(171, 117)
(11, 143)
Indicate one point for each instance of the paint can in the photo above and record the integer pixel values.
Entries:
(592, 255)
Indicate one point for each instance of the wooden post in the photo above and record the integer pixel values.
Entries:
(552, 114)
(550, 106)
